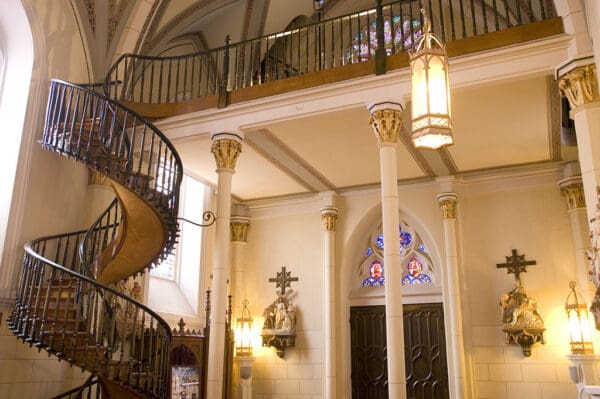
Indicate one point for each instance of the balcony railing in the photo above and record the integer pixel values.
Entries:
(370, 34)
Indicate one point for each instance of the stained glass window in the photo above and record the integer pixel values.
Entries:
(376, 276)
(415, 273)
(413, 254)
(398, 35)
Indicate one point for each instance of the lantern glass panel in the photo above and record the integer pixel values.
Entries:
(419, 88)
(438, 96)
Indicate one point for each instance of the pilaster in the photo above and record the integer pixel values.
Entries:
(329, 216)
(457, 372)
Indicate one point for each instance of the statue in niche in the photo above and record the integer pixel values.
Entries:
(279, 327)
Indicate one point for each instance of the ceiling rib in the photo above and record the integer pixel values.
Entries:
(266, 144)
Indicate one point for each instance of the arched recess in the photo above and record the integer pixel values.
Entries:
(19, 82)
(351, 294)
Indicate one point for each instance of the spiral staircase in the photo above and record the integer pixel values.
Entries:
(68, 302)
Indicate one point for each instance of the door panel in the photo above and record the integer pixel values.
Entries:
(425, 352)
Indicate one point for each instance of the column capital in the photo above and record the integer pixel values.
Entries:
(386, 120)
(239, 225)
(447, 202)
(572, 189)
(226, 147)
(329, 217)
(580, 86)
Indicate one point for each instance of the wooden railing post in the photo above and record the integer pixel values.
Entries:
(380, 67)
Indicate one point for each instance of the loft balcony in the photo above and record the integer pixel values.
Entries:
(369, 42)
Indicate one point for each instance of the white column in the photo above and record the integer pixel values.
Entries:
(329, 216)
(580, 86)
(226, 148)
(386, 121)
(457, 373)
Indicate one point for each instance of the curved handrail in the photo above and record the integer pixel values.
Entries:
(314, 47)
(90, 127)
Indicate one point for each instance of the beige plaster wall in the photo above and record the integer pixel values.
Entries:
(495, 215)
(534, 221)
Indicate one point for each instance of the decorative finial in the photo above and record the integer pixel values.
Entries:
(572, 285)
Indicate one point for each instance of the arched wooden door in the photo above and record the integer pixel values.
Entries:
(424, 346)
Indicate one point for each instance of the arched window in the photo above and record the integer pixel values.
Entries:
(416, 262)
(398, 35)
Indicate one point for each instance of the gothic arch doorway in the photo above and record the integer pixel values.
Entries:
(426, 357)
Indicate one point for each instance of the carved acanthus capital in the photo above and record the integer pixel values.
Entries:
(226, 150)
(580, 86)
(239, 229)
(386, 123)
(447, 202)
(572, 190)
(329, 217)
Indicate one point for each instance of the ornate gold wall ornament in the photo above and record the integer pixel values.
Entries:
(386, 124)
(279, 328)
(239, 231)
(226, 152)
(574, 195)
(95, 177)
(329, 217)
(522, 324)
(448, 208)
(580, 86)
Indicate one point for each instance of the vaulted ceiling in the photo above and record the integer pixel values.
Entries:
(498, 124)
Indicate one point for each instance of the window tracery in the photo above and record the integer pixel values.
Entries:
(417, 264)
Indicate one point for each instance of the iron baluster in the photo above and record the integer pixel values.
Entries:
(462, 19)
(473, 20)
(160, 81)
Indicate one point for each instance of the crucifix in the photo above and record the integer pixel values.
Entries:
(516, 264)
(283, 280)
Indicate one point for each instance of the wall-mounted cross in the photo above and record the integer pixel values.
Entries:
(516, 264)
(283, 280)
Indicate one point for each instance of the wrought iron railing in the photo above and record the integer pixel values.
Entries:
(64, 313)
(60, 307)
(90, 389)
(374, 33)
(117, 142)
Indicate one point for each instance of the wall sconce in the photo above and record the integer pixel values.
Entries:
(431, 125)
(579, 323)
(243, 332)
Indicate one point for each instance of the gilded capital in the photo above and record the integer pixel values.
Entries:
(239, 230)
(329, 217)
(386, 124)
(226, 152)
(574, 195)
(448, 208)
(580, 86)
(447, 202)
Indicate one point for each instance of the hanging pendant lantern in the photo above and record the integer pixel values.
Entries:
(243, 332)
(580, 326)
(431, 125)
